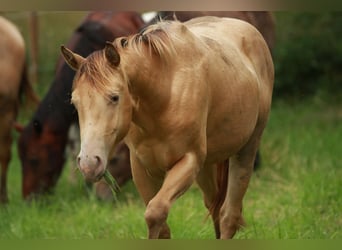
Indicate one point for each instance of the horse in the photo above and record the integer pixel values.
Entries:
(14, 85)
(191, 101)
(43, 141)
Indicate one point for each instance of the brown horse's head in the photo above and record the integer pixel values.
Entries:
(41, 151)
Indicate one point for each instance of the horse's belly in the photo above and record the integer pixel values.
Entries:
(228, 135)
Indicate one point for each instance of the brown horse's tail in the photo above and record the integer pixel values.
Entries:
(26, 92)
(222, 182)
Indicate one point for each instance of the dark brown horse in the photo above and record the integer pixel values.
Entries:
(43, 141)
(13, 84)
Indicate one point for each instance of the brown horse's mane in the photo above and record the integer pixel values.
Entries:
(157, 38)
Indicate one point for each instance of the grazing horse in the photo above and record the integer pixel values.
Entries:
(13, 84)
(43, 141)
(191, 101)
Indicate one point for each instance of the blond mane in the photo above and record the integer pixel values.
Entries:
(158, 38)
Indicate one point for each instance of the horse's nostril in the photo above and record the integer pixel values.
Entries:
(78, 160)
(97, 161)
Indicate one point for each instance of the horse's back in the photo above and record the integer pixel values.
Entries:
(237, 38)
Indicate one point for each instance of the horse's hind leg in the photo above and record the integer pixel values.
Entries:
(206, 180)
(240, 171)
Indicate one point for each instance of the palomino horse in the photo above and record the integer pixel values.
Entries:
(188, 98)
(43, 141)
(13, 84)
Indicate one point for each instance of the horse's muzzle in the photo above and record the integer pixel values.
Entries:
(92, 167)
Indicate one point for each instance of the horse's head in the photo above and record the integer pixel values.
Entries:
(41, 151)
(101, 96)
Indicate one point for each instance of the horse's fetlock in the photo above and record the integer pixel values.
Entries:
(232, 222)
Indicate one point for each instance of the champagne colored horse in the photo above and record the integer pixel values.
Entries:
(191, 100)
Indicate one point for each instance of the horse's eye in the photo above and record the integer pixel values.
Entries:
(114, 98)
(123, 42)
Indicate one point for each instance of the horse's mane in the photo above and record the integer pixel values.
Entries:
(156, 39)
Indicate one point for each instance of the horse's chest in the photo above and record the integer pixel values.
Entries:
(154, 154)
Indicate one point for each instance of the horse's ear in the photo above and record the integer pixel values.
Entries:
(72, 59)
(112, 54)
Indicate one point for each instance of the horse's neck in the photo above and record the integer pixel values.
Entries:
(149, 91)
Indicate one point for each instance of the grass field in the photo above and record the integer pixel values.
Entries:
(297, 193)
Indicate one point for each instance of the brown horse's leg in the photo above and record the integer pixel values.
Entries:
(148, 187)
(240, 171)
(206, 180)
(5, 156)
(178, 179)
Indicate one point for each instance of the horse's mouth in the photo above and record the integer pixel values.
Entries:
(93, 177)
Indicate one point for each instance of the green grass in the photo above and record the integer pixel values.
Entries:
(297, 193)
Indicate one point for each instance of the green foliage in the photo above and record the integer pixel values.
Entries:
(308, 53)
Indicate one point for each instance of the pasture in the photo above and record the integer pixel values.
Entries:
(296, 194)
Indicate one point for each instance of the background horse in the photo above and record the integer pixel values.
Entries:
(13, 85)
(43, 141)
(165, 91)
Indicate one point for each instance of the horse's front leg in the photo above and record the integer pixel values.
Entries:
(147, 186)
(178, 179)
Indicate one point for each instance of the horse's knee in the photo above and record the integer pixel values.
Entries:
(155, 216)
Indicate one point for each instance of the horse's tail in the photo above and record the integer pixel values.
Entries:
(26, 92)
(222, 182)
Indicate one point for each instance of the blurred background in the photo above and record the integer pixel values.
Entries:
(307, 54)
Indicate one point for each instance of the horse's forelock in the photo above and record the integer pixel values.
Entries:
(97, 72)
